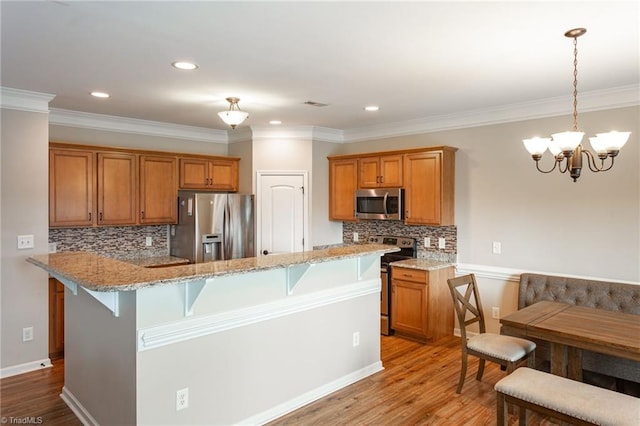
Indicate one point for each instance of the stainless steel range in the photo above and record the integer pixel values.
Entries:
(407, 251)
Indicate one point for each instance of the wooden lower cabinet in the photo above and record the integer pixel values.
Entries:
(421, 305)
(56, 318)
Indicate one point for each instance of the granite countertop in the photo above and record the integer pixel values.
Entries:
(99, 273)
(155, 261)
(422, 264)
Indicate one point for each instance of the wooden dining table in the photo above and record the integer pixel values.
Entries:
(569, 329)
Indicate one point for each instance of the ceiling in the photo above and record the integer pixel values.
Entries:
(415, 60)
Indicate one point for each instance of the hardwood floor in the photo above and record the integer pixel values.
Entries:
(417, 387)
(34, 398)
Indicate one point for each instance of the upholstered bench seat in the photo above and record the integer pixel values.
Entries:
(564, 399)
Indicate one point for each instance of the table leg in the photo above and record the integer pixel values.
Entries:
(574, 367)
(558, 359)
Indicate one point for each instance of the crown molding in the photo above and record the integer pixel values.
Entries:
(312, 133)
(61, 117)
(24, 100)
(617, 97)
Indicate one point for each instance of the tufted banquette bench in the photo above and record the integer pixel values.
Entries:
(584, 292)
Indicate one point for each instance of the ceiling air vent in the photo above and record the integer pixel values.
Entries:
(315, 104)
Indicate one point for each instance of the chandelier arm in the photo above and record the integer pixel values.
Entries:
(566, 166)
(555, 163)
(593, 166)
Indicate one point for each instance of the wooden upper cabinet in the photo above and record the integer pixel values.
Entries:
(429, 189)
(343, 182)
(158, 189)
(381, 172)
(71, 188)
(117, 188)
(211, 174)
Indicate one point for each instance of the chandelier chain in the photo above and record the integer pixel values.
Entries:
(575, 83)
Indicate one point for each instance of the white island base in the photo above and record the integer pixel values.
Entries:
(248, 347)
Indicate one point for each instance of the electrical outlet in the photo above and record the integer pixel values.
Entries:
(427, 242)
(25, 242)
(497, 247)
(495, 312)
(356, 338)
(53, 247)
(356, 237)
(182, 399)
(441, 243)
(27, 334)
(149, 241)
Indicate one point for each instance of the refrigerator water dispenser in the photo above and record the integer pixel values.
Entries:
(211, 247)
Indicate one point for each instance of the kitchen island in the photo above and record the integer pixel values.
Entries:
(245, 340)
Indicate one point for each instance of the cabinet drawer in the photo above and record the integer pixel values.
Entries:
(408, 274)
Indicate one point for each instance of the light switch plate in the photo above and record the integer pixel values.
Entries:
(441, 243)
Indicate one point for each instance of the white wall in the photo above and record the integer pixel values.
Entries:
(24, 195)
(82, 136)
(323, 231)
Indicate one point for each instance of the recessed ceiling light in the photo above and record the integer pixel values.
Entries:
(100, 94)
(182, 65)
(372, 108)
(274, 122)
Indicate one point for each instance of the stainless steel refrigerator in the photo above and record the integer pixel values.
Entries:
(213, 226)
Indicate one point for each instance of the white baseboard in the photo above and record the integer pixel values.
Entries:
(81, 413)
(313, 395)
(27, 367)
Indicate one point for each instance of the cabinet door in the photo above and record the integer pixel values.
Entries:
(223, 175)
(194, 173)
(56, 318)
(391, 171)
(117, 189)
(369, 176)
(158, 190)
(423, 190)
(408, 308)
(71, 188)
(343, 181)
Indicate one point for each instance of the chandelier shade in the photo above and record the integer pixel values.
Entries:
(233, 116)
(566, 147)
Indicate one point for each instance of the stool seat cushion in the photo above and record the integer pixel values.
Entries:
(506, 348)
(576, 399)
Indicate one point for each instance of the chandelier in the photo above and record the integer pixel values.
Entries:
(566, 147)
(233, 116)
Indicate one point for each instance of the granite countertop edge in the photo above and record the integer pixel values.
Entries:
(103, 274)
(422, 264)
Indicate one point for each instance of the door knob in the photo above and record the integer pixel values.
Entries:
(265, 252)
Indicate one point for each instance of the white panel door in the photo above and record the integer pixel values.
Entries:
(282, 214)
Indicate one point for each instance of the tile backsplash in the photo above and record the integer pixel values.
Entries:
(113, 241)
(367, 228)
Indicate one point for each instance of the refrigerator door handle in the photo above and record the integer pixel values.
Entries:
(227, 233)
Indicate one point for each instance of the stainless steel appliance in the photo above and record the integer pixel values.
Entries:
(380, 203)
(407, 251)
(213, 226)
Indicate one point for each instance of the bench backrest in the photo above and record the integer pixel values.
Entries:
(581, 292)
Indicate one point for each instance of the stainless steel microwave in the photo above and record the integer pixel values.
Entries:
(380, 203)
